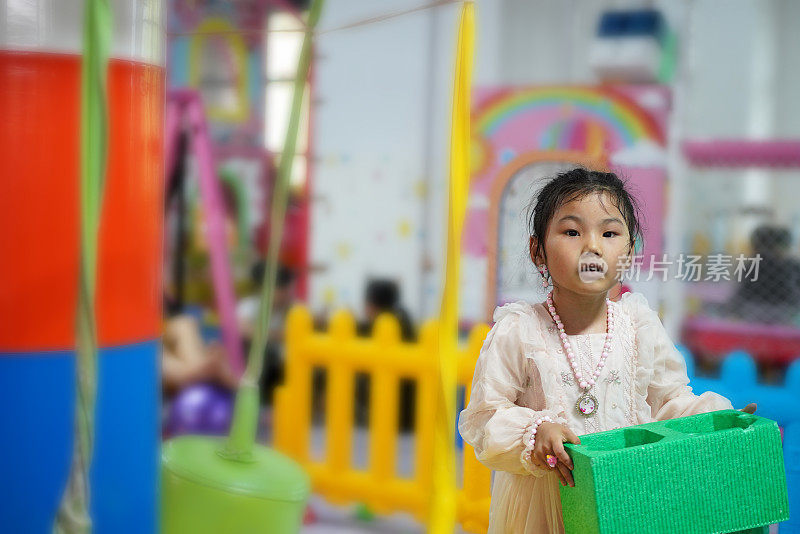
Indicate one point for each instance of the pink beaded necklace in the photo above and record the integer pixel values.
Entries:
(587, 403)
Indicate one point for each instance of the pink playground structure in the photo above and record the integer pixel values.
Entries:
(619, 127)
(185, 113)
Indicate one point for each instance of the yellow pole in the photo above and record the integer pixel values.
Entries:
(443, 503)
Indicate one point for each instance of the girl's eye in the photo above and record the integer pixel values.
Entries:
(609, 234)
(571, 233)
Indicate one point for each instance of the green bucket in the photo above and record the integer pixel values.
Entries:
(202, 492)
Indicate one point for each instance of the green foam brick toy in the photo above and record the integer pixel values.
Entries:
(718, 472)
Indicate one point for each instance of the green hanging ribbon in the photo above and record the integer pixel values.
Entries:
(245, 417)
(73, 514)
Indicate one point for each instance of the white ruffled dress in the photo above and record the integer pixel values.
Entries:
(523, 374)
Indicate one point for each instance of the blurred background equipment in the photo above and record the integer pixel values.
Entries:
(200, 409)
(759, 313)
(632, 45)
(185, 111)
(40, 203)
(386, 467)
(235, 483)
(693, 102)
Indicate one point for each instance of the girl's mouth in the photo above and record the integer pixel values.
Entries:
(591, 268)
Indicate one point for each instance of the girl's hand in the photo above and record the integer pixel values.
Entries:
(550, 438)
(750, 408)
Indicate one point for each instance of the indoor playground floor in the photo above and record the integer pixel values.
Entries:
(331, 519)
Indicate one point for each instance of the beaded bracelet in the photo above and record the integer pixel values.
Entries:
(536, 424)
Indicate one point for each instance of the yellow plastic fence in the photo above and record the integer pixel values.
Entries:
(386, 360)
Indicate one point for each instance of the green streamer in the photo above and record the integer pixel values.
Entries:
(73, 514)
(245, 417)
(242, 208)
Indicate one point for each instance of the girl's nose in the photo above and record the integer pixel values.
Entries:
(592, 244)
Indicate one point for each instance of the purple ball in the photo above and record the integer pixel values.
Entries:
(200, 409)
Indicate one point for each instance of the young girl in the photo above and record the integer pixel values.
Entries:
(575, 364)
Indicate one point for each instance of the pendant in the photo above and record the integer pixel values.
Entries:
(587, 404)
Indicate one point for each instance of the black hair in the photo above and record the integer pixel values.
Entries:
(383, 294)
(770, 239)
(575, 184)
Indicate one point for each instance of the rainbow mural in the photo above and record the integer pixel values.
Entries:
(617, 112)
(592, 120)
(583, 135)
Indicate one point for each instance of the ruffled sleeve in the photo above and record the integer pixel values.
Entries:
(493, 423)
(661, 377)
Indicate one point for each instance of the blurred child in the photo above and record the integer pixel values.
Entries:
(774, 295)
(186, 359)
(247, 315)
(383, 296)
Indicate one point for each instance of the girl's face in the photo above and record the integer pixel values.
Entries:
(586, 242)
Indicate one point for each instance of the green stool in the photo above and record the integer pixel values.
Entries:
(202, 492)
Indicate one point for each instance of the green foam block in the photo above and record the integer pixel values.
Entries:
(717, 472)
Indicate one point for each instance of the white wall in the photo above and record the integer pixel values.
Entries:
(381, 135)
(381, 130)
